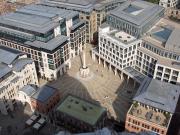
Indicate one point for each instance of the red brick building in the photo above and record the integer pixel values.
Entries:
(45, 99)
(153, 107)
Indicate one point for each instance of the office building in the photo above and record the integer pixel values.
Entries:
(153, 107)
(93, 12)
(78, 115)
(159, 55)
(155, 54)
(50, 36)
(135, 17)
(16, 71)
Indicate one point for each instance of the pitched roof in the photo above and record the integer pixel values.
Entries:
(158, 94)
(44, 93)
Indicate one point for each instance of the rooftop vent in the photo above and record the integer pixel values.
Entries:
(76, 102)
(84, 108)
(69, 106)
(71, 100)
(158, 118)
(149, 115)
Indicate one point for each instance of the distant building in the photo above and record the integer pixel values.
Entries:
(168, 3)
(135, 17)
(159, 54)
(50, 36)
(16, 71)
(78, 115)
(93, 12)
(153, 107)
(156, 54)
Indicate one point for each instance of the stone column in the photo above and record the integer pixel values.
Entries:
(84, 59)
(128, 79)
(69, 64)
(93, 56)
(134, 84)
(110, 67)
(121, 75)
(99, 60)
(104, 63)
(61, 72)
(115, 71)
(64, 69)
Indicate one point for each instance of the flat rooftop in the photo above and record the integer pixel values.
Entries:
(29, 22)
(123, 36)
(8, 55)
(81, 109)
(137, 12)
(158, 94)
(79, 5)
(116, 34)
(149, 115)
(49, 12)
(50, 45)
(165, 35)
(36, 18)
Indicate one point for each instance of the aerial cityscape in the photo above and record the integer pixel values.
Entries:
(90, 67)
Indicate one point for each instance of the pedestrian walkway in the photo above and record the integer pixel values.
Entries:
(103, 88)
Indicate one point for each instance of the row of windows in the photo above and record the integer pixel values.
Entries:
(145, 126)
(161, 52)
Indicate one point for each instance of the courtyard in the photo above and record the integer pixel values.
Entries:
(103, 87)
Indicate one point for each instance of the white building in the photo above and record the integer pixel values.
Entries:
(117, 50)
(16, 71)
(160, 52)
(168, 3)
(156, 54)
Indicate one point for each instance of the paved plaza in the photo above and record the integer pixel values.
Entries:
(103, 87)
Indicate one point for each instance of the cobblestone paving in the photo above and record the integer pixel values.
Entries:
(104, 88)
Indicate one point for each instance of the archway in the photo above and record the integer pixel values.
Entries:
(24, 95)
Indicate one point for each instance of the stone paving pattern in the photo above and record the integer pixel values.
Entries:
(103, 88)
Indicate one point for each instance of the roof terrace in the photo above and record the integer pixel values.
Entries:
(151, 115)
(81, 109)
(117, 35)
(157, 94)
